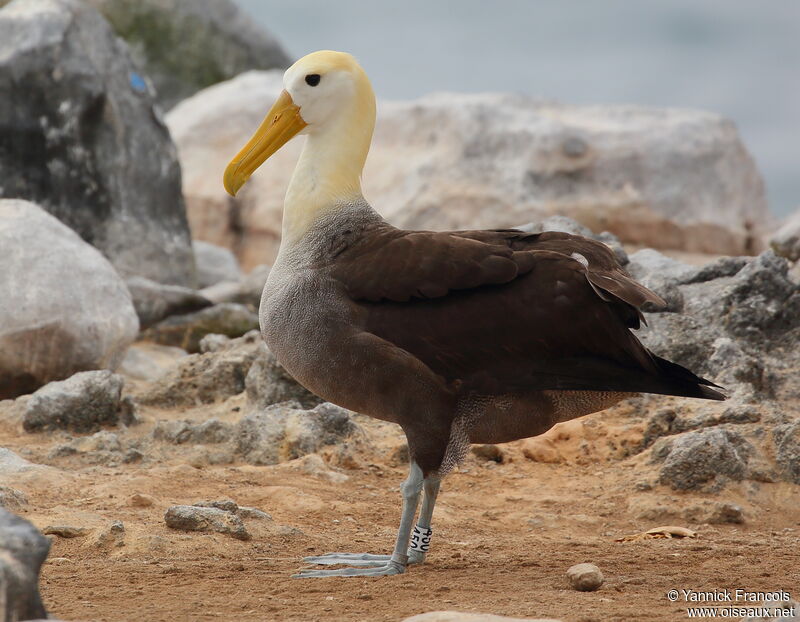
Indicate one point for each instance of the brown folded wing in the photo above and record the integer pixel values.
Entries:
(501, 311)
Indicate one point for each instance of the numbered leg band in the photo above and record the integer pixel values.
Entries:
(421, 539)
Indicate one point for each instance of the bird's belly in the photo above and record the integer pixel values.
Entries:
(500, 419)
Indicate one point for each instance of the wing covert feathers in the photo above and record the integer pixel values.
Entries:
(502, 311)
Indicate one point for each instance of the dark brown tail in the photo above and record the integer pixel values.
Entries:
(685, 383)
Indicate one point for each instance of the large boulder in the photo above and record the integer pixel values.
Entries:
(708, 458)
(667, 178)
(208, 130)
(247, 291)
(215, 264)
(63, 307)
(22, 552)
(739, 319)
(661, 177)
(81, 136)
(187, 45)
(155, 301)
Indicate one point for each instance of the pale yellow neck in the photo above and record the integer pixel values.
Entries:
(329, 171)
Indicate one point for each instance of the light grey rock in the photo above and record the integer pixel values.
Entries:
(102, 448)
(705, 458)
(63, 307)
(86, 141)
(604, 166)
(787, 454)
(759, 304)
(155, 301)
(211, 431)
(150, 361)
(285, 431)
(104, 441)
(205, 378)
(224, 504)
(12, 499)
(110, 535)
(668, 422)
(214, 264)
(253, 513)
(649, 262)
(660, 274)
(739, 320)
(585, 577)
(664, 178)
(12, 463)
(191, 518)
(682, 338)
(269, 383)
(108, 449)
(210, 122)
(719, 268)
(22, 552)
(786, 240)
(213, 342)
(186, 331)
(763, 302)
(225, 291)
(82, 403)
(732, 366)
(558, 223)
(247, 291)
(187, 45)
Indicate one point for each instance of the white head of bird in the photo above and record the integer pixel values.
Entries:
(328, 97)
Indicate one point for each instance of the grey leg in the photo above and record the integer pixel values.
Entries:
(431, 488)
(377, 565)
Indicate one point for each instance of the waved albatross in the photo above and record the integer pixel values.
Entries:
(459, 337)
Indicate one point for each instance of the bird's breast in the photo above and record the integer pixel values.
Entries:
(307, 324)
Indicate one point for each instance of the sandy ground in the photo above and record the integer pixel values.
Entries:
(504, 533)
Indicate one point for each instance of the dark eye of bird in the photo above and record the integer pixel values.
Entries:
(312, 79)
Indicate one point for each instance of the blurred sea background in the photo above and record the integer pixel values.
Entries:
(740, 58)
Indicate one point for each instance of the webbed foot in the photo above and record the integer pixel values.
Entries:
(360, 559)
(368, 567)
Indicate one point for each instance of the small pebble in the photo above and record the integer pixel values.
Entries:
(585, 577)
(139, 500)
